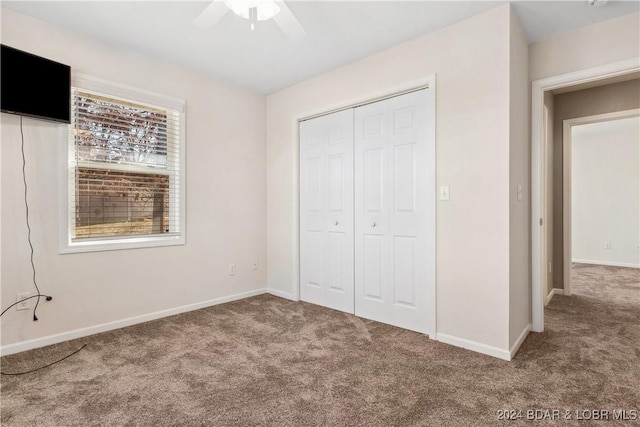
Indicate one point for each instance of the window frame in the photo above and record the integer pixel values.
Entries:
(67, 164)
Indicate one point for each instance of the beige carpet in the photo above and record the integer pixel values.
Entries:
(269, 361)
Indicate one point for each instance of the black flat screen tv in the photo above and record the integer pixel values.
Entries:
(34, 86)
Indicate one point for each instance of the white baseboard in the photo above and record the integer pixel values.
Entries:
(475, 346)
(282, 294)
(552, 293)
(516, 345)
(104, 327)
(609, 263)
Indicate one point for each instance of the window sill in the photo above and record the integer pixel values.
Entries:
(113, 244)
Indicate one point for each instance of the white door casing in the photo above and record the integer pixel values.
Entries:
(395, 211)
(326, 211)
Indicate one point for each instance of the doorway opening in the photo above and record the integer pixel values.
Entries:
(545, 204)
(601, 197)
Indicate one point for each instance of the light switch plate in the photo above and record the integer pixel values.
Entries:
(444, 192)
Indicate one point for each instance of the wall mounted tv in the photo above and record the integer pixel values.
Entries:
(34, 86)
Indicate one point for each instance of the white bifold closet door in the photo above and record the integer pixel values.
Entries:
(367, 211)
(395, 211)
(326, 211)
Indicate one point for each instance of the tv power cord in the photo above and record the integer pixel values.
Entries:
(45, 366)
(47, 298)
(26, 205)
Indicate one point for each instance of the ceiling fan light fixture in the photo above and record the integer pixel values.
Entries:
(265, 9)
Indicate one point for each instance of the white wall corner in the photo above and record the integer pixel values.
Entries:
(489, 350)
(281, 294)
(553, 292)
(516, 345)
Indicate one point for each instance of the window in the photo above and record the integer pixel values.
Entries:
(125, 169)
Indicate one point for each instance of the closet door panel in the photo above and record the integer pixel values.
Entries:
(372, 180)
(404, 270)
(312, 188)
(371, 254)
(404, 181)
(326, 211)
(395, 211)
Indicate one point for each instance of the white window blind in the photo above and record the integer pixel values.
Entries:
(125, 174)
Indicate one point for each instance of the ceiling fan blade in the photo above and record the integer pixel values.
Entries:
(288, 22)
(211, 15)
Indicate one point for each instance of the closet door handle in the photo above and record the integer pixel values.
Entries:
(373, 224)
(335, 222)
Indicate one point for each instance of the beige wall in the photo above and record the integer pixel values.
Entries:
(225, 200)
(588, 102)
(519, 161)
(598, 44)
(472, 66)
(605, 192)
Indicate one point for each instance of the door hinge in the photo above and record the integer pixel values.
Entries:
(540, 221)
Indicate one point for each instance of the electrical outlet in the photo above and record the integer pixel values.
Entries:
(232, 269)
(607, 245)
(549, 266)
(255, 264)
(25, 304)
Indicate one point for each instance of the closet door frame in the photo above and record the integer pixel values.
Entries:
(426, 82)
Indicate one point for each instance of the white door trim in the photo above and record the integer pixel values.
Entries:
(538, 204)
(544, 194)
(566, 180)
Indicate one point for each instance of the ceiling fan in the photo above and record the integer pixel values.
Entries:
(253, 10)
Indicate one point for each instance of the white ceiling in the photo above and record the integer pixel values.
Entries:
(338, 32)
